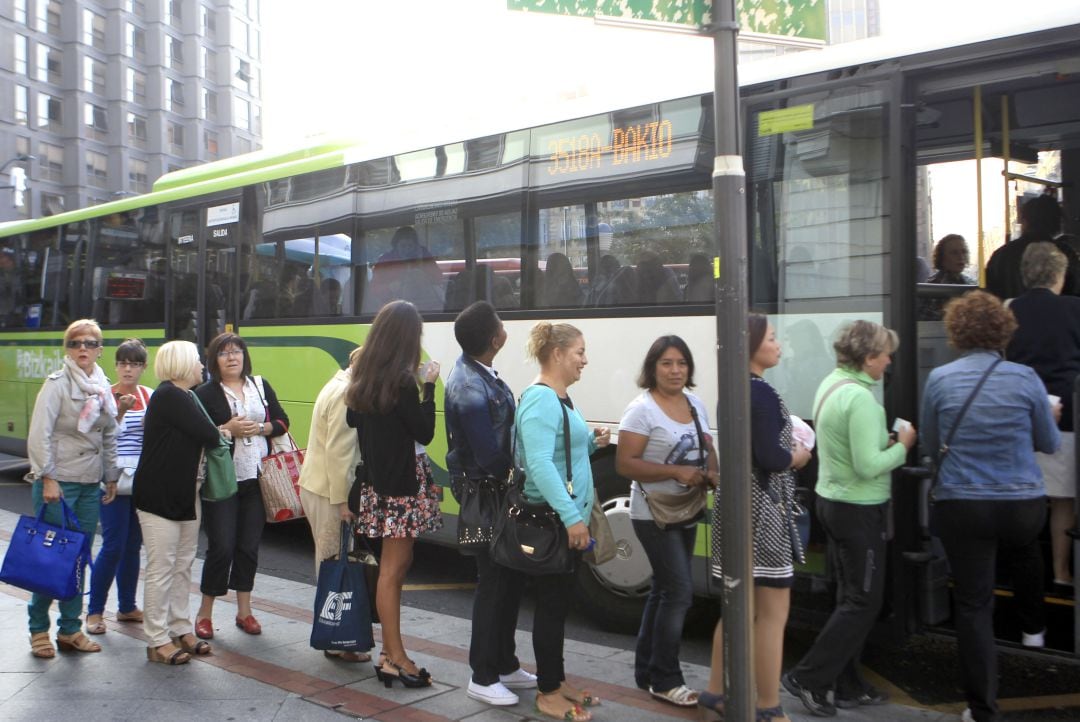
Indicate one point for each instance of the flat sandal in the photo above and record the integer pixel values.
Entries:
(95, 624)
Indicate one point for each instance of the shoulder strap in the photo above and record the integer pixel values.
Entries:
(834, 387)
(700, 435)
(261, 389)
(566, 441)
(963, 410)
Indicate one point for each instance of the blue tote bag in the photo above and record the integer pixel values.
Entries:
(47, 559)
(342, 610)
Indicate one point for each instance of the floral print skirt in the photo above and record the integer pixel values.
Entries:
(401, 516)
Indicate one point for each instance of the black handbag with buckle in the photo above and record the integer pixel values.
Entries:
(480, 501)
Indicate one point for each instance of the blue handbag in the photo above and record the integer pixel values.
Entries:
(342, 619)
(47, 559)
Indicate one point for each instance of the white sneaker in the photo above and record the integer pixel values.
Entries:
(496, 694)
(518, 679)
(1035, 641)
(966, 716)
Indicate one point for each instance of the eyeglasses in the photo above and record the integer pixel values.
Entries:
(90, 343)
(129, 364)
(231, 352)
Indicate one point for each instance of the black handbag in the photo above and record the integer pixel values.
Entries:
(480, 501)
(530, 537)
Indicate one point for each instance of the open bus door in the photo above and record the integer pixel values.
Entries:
(202, 271)
(826, 175)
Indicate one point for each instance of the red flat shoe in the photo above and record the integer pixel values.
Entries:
(249, 624)
(204, 629)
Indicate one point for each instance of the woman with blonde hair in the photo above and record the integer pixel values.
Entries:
(856, 457)
(560, 350)
(72, 446)
(394, 418)
(176, 433)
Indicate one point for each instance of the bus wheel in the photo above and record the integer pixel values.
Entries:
(613, 594)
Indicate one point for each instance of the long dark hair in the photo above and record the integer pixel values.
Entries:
(388, 360)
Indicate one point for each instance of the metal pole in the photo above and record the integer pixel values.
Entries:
(733, 375)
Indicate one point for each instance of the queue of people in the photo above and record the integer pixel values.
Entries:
(380, 411)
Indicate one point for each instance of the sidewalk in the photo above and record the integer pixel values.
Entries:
(277, 676)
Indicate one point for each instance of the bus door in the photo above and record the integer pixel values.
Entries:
(202, 271)
(824, 178)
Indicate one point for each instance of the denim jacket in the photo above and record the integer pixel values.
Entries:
(992, 452)
(479, 420)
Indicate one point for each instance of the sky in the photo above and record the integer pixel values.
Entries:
(405, 75)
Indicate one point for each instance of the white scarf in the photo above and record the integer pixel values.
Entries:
(98, 394)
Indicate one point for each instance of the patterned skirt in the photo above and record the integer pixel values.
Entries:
(401, 517)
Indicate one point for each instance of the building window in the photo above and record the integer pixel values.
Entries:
(136, 130)
(51, 162)
(20, 12)
(135, 7)
(135, 42)
(48, 17)
(242, 113)
(176, 95)
(22, 105)
(176, 13)
(96, 121)
(93, 29)
(239, 37)
(138, 178)
(97, 169)
(174, 53)
(136, 86)
(208, 58)
(50, 113)
(210, 142)
(51, 204)
(209, 109)
(48, 64)
(22, 54)
(209, 22)
(176, 137)
(93, 76)
(242, 76)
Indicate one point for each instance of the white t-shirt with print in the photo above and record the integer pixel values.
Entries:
(670, 442)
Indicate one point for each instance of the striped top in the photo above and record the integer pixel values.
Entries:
(130, 440)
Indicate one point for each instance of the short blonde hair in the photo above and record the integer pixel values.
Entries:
(545, 337)
(859, 340)
(175, 360)
(81, 327)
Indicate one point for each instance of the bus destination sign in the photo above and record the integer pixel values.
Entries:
(629, 145)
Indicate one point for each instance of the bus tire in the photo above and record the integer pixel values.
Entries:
(613, 594)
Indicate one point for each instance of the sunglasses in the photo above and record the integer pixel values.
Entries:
(92, 343)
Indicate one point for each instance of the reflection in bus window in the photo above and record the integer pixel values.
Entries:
(406, 266)
(128, 277)
(498, 246)
(299, 278)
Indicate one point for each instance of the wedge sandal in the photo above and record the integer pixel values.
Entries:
(162, 655)
(41, 646)
(192, 644)
(77, 642)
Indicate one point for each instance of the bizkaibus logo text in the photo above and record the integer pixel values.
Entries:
(336, 604)
(37, 364)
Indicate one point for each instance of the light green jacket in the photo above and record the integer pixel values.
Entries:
(854, 456)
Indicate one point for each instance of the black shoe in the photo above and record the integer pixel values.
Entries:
(817, 703)
(870, 697)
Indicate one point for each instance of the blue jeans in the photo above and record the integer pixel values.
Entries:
(84, 500)
(118, 557)
(670, 550)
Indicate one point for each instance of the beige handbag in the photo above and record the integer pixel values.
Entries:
(680, 508)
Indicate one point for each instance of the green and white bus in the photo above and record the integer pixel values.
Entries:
(604, 221)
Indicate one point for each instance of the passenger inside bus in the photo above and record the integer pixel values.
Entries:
(699, 280)
(615, 284)
(656, 283)
(560, 288)
(1040, 220)
(951, 258)
(407, 272)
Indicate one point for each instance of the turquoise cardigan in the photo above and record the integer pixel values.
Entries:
(541, 453)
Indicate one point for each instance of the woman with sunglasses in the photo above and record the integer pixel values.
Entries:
(247, 407)
(121, 536)
(72, 446)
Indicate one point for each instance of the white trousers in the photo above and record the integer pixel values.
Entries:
(170, 550)
(325, 521)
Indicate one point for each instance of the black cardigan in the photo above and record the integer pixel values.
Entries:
(213, 397)
(1048, 340)
(386, 440)
(175, 431)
